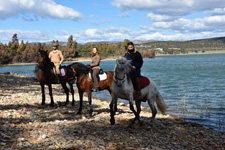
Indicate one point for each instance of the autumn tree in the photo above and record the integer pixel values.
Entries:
(69, 42)
(19, 52)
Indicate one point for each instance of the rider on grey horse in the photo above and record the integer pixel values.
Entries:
(136, 62)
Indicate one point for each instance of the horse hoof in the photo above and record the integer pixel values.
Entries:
(73, 104)
(42, 103)
(79, 112)
(112, 122)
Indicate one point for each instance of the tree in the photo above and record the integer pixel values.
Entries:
(19, 51)
(14, 38)
(69, 42)
(74, 47)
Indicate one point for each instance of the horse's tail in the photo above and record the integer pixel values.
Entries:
(160, 103)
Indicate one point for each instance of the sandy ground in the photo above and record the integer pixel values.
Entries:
(25, 124)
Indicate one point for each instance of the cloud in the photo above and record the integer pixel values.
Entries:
(106, 34)
(42, 8)
(30, 36)
(212, 23)
(100, 22)
(123, 15)
(169, 7)
(216, 11)
(158, 18)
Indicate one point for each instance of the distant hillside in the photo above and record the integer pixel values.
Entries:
(185, 46)
(169, 47)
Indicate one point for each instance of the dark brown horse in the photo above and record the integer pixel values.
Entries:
(85, 84)
(47, 77)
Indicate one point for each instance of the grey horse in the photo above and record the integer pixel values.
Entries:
(122, 87)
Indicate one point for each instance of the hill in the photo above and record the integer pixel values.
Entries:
(203, 45)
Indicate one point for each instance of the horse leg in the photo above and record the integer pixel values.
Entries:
(138, 106)
(66, 91)
(50, 93)
(43, 94)
(132, 109)
(72, 92)
(90, 102)
(154, 111)
(113, 107)
(110, 91)
(81, 101)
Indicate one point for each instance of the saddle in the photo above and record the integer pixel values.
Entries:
(144, 81)
(62, 71)
(101, 75)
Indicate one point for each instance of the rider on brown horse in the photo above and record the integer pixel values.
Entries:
(56, 57)
(136, 62)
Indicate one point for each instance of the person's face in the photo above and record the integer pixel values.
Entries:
(94, 50)
(130, 47)
(54, 47)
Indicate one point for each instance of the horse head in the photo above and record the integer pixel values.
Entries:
(42, 58)
(122, 68)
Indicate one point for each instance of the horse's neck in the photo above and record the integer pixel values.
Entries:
(129, 81)
(48, 67)
(82, 77)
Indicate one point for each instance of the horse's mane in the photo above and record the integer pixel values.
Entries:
(80, 68)
(122, 62)
(45, 54)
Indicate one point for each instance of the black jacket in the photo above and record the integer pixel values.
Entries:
(136, 58)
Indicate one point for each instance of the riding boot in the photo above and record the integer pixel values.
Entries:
(138, 86)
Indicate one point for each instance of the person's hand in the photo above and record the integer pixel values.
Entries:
(133, 67)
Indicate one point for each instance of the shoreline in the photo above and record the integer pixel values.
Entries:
(84, 59)
(25, 124)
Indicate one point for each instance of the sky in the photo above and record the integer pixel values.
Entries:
(111, 20)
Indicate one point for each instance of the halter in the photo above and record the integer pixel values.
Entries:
(122, 80)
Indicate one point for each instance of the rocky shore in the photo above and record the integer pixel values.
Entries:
(25, 124)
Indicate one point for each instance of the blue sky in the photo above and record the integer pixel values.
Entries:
(111, 20)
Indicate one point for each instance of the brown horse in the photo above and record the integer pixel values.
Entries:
(85, 84)
(47, 76)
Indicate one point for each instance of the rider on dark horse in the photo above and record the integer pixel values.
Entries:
(56, 57)
(136, 62)
(95, 65)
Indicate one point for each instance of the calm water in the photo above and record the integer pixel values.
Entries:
(193, 86)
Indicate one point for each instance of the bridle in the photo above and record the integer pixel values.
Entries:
(120, 79)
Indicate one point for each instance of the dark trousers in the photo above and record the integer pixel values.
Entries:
(135, 74)
(95, 73)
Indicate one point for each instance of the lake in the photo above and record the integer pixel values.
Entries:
(193, 86)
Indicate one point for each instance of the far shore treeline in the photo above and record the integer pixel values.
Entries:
(20, 52)
(25, 52)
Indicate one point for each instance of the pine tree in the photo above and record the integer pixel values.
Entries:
(70, 42)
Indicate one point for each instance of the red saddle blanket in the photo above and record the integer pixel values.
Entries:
(144, 81)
